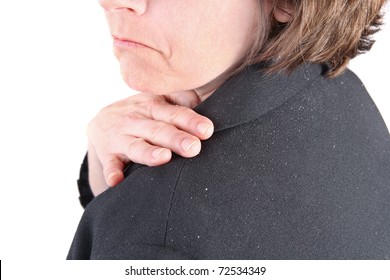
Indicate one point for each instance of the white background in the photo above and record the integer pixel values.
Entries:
(56, 71)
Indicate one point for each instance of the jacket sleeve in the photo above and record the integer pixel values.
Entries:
(86, 195)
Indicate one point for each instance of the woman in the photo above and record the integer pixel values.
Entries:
(298, 165)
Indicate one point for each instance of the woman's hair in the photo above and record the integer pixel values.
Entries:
(330, 32)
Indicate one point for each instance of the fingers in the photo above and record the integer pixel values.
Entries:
(145, 146)
(184, 119)
(135, 150)
(112, 170)
(146, 129)
(165, 135)
(140, 151)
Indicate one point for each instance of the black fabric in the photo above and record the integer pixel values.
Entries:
(85, 191)
(298, 168)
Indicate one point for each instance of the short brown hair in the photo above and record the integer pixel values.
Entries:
(330, 32)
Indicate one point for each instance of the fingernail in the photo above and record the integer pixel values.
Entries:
(110, 179)
(190, 145)
(203, 128)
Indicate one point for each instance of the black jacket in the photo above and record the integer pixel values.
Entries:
(298, 168)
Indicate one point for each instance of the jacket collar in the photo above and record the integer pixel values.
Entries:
(251, 94)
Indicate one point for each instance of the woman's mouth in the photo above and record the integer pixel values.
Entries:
(127, 43)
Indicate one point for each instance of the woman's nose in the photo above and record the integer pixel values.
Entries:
(136, 6)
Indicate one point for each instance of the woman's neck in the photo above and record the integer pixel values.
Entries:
(208, 89)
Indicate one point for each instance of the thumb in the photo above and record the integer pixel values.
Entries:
(113, 170)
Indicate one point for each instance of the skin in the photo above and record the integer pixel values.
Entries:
(144, 128)
(177, 60)
(188, 44)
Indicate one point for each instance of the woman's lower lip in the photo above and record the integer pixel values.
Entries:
(127, 44)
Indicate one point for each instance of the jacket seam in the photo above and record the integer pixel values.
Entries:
(171, 203)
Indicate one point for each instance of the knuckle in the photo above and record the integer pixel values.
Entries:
(177, 113)
(152, 104)
(110, 164)
(133, 115)
(107, 170)
(156, 130)
(133, 145)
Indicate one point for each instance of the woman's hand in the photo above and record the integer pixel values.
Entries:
(144, 128)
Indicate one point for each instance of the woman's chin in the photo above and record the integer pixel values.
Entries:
(142, 84)
(135, 86)
(136, 83)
